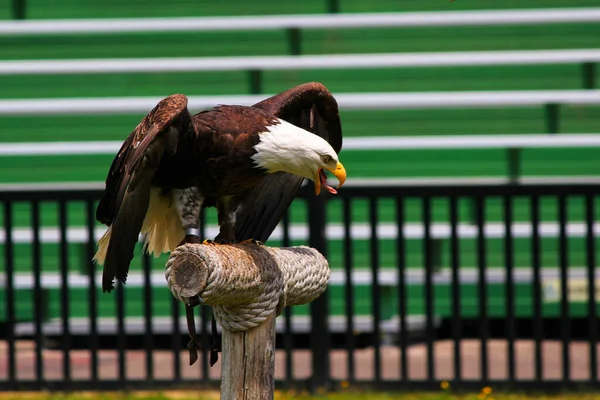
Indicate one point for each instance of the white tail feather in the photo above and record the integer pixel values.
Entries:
(100, 255)
(162, 227)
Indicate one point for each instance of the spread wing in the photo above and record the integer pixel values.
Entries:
(309, 106)
(125, 200)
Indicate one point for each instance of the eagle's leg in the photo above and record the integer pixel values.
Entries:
(188, 203)
(226, 214)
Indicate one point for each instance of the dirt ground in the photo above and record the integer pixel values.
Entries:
(364, 362)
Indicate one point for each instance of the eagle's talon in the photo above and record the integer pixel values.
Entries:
(253, 241)
(207, 241)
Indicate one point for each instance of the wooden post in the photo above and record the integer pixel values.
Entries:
(248, 285)
(248, 366)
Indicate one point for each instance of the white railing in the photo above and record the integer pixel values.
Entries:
(382, 101)
(322, 21)
(358, 231)
(164, 325)
(471, 142)
(350, 144)
(362, 182)
(388, 275)
(267, 63)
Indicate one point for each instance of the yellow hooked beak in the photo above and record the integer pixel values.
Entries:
(321, 179)
(340, 174)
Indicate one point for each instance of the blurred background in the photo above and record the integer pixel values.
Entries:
(448, 109)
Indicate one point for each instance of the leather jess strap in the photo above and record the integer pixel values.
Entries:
(195, 343)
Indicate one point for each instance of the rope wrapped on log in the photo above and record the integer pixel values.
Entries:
(246, 282)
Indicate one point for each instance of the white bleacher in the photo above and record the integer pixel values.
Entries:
(272, 63)
(318, 21)
(348, 101)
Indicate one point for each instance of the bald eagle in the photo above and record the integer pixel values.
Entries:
(247, 161)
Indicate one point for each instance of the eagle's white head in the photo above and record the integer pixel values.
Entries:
(285, 147)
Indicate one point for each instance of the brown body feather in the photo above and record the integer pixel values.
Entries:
(212, 150)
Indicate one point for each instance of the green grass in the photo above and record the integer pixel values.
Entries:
(213, 395)
(432, 396)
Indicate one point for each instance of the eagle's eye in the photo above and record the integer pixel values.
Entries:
(326, 158)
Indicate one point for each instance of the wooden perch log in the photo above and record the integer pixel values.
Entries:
(248, 285)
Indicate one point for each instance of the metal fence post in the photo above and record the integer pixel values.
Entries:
(589, 75)
(255, 79)
(514, 164)
(18, 9)
(333, 6)
(9, 293)
(552, 117)
(567, 214)
(295, 39)
(319, 308)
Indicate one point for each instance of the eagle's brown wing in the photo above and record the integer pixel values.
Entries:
(125, 200)
(309, 106)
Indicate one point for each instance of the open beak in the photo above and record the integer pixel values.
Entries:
(321, 179)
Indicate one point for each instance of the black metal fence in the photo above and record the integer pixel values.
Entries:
(488, 284)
